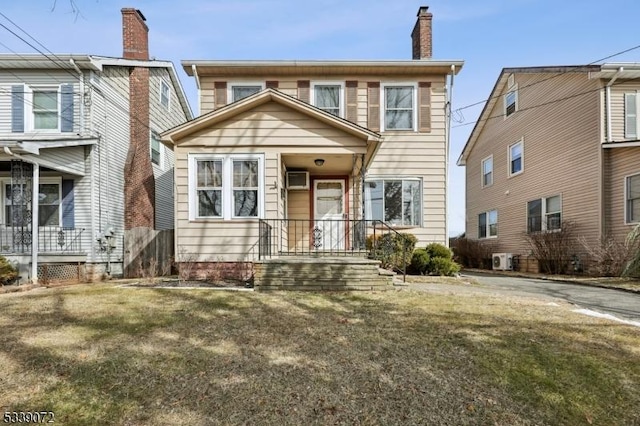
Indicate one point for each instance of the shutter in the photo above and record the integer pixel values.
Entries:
(630, 116)
(351, 101)
(17, 108)
(303, 90)
(271, 84)
(373, 101)
(68, 209)
(66, 115)
(220, 93)
(424, 107)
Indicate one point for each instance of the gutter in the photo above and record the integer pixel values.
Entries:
(447, 139)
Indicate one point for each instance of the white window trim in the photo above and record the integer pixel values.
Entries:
(383, 105)
(482, 163)
(627, 221)
(329, 83)
(488, 225)
(402, 178)
(163, 83)
(227, 188)
(29, 119)
(624, 105)
(233, 84)
(511, 89)
(161, 149)
(521, 142)
(543, 206)
(42, 180)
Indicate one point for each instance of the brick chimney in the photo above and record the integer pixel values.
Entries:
(135, 35)
(139, 182)
(421, 35)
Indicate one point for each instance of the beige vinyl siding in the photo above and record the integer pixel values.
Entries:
(299, 208)
(620, 163)
(561, 149)
(617, 106)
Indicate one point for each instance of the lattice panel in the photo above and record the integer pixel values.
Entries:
(58, 272)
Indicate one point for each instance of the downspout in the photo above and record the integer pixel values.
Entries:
(447, 136)
(608, 138)
(34, 212)
(197, 77)
(81, 78)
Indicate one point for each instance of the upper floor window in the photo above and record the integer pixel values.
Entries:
(511, 102)
(328, 97)
(226, 186)
(243, 90)
(633, 199)
(165, 94)
(516, 158)
(487, 171)
(155, 149)
(42, 108)
(45, 109)
(631, 115)
(488, 224)
(399, 107)
(395, 201)
(544, 214)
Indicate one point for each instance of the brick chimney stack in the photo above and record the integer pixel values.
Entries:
(139, 182)
(421, 36)
(135, 35)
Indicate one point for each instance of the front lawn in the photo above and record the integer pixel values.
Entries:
(99, 354)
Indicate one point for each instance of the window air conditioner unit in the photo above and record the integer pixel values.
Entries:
(298, 180)
(502, 261)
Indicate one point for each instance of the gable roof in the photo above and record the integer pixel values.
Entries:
(172, 136)
(498, 89)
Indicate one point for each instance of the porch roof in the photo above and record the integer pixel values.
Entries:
(175, 135)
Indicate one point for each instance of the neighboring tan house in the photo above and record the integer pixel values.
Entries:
(81, 155)
(555, 144)
(298, 157)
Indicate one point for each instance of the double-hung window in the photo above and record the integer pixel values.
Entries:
(226, 186)
(395, 201)
(165, 94)
(155, 149)
(238, 91)
(17, 204)
(487, 171)
(328, 97)
(544, 214)
(488, 224)
(632, 199)
(399, 107)
(511, 102)
(45, 108)
(631, 115)
(516, 158)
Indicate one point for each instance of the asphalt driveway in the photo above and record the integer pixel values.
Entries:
(619, 303)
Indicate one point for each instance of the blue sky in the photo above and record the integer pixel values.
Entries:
(488, 35)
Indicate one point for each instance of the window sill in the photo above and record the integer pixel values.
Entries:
(515, 174)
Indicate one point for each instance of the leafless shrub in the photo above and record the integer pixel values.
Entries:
(632, 269)
(609, 257)
(554, 250)
(186, 262)
(472, 253)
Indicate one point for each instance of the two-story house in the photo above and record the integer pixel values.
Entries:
(555, 145)
(293, 157)
(81, 157)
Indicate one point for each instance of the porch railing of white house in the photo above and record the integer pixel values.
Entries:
(367, 238)
(51, 239)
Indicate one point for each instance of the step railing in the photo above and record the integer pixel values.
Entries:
(335, 237)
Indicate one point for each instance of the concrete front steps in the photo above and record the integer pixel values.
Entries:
(321, 273)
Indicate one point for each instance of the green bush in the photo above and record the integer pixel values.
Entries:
(8, 272)
(443, 266)
(392, 249)
(438, 250)
(419, 262)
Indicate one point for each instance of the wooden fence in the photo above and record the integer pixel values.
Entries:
(148, 252)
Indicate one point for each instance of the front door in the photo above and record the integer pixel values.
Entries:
(329, 230)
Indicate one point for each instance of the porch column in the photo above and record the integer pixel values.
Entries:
(34, 222)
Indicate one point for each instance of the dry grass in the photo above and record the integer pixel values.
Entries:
(105, 355)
